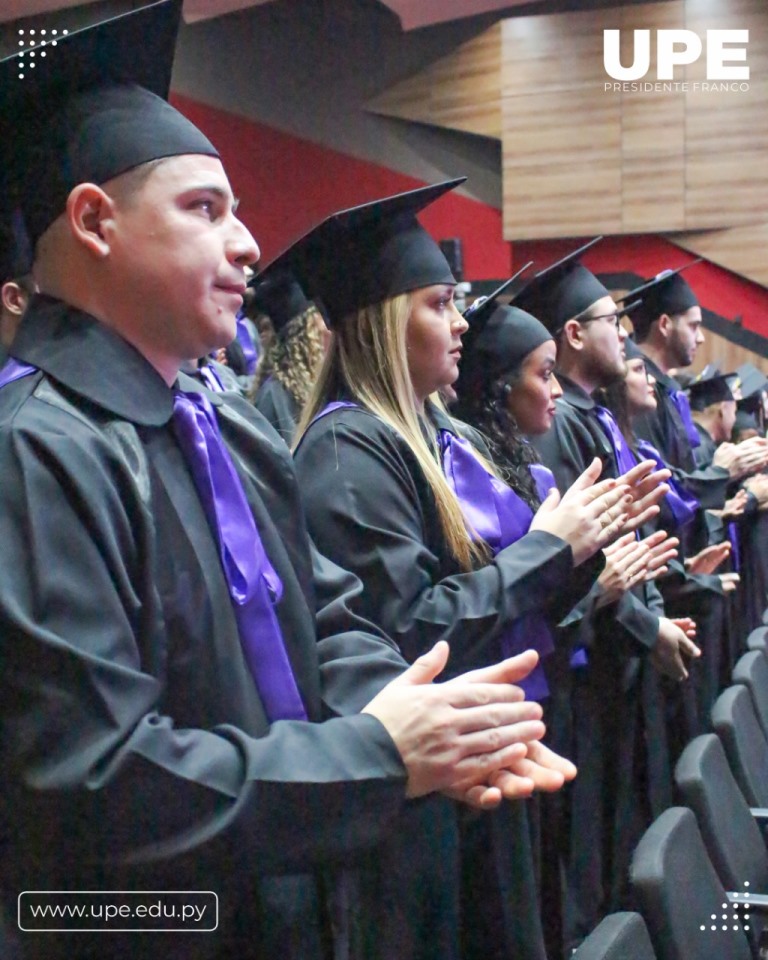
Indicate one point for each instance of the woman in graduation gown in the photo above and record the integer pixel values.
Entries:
(292, 358)
(377, 499)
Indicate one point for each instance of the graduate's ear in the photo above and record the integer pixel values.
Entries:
(573, 335)
(665, 325)
(14, 298)
(89, 211)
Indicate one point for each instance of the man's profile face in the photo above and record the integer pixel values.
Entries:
(685, 336)
(178, 250)
(604, 342)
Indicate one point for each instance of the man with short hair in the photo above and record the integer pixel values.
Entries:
(167, 628)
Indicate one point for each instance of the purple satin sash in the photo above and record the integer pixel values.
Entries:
(493, 511)
(245, 339)
(625, 459)
(733, 536)
(211, 378)
(681, 403)
(14, 370)
(254, 585)
(683, 505)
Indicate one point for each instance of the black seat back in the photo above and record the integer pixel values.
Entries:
(735, 722)
(732, 837)
(679, 891)
(620, 936)
(752, 671)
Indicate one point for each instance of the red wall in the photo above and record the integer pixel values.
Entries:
(287, 184)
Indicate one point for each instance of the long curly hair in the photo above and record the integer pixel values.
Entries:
(486, 408)
(294, 356)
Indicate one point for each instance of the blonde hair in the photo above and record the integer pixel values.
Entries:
(367, 358)
(294, 356)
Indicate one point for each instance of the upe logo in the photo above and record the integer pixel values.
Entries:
(676, 48)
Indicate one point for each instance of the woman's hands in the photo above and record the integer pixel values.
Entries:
(588, 516)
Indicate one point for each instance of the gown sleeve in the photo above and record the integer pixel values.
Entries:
(368, 509)
(86, 668)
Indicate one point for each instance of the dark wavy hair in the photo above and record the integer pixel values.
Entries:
(485, 407)
(615, 398)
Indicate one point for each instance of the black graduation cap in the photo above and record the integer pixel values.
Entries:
(485, 305)
(562, 291)
(632, 351)
(369, 253)
(498, 339)
(94, 107)
(751, 380)
(710, 388)
(280, 297)
(667, 292)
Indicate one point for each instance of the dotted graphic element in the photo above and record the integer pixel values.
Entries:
(32, 45)
(740, 922)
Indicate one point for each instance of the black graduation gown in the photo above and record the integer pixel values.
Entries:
(600, 716)
(368, 504)
(136, 751)
(664, 428)
(279, 407)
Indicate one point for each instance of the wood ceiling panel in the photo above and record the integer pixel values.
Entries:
(460, 91)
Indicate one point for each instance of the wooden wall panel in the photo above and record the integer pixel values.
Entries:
(579, 159)
(461, 91)
(741, 249)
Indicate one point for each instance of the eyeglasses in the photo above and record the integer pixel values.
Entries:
(615, 318)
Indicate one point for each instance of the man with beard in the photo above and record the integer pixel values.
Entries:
(668, 328)
(598, 704)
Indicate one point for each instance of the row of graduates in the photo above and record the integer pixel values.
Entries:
(533, 877)
(135, 707)
(545, 384)
(193, 696)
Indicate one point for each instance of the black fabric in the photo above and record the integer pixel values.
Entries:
(562, 291)
(612, 723)
(497, 340)
(369, 505)
(280, 297)
(708, 390)
(665, 430)
(667, 292)
(367, 254)
(91, 110)
(278, 405)
(135, 749)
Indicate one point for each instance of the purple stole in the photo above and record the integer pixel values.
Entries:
(495, 513)
(254, 586)
(682, 504)
(681, 403)
(245, 340)
(210, 377)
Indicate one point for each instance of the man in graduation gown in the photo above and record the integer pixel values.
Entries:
(167, 629)
(668, 329)
(607, 724)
